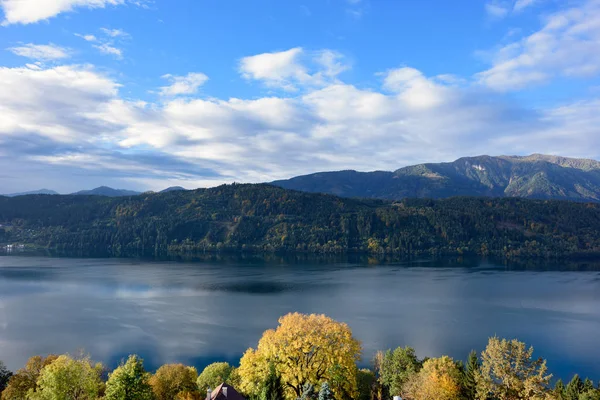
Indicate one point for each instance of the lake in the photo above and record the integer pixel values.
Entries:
(214, 309)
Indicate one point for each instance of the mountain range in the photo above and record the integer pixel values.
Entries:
(536, 176)
(99, 191)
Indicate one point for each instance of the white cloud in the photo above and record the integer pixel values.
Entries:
(114, 32)
(188, 84)
(496, 10)
(43, 52)
(568, 44)
(87, 38)
(30, 11)
(108, 49)
(279, 69)
(293, 68)
(522, 4)
(415, 89)
(71, 119)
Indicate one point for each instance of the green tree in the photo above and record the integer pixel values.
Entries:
(272, 389)
(509, 372)
(558, 392)
(469, 380)
(574, 388)
(5, 375)
(69, 378)
(588, 385)
(213, 375)
(396, 368)
(366, 379)
(325, 392)
(129, 381)
(174, 380)
(25, 379)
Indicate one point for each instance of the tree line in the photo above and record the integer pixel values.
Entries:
(268, 219)
(307, 357)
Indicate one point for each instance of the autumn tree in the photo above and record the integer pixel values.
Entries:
(25, 379)
(396, 368)
(304, 348)
(172, 380)
(509, 372)
(5, 375)
(439, 379)
(129, 381)
(215, 374)
(68, 378)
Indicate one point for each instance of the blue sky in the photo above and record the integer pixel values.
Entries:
(146, 94)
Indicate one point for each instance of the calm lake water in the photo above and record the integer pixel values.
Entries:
(200, 312)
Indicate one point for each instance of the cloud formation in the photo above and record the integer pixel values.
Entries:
(41, 52)
(73, 119)
(183, 85)
(291, 69)
(568, 45)
(30, 11)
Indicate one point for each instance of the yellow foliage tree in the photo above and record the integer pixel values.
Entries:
(172, 380)
(304, 349)
(509, 372)
(439, 379)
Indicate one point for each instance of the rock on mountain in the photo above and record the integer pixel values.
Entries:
(535, 176)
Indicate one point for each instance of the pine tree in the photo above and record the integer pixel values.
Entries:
(5, 375)
(469, 382)
(588, 385)
(559, 390)
(325, 392)
(273, 389)
(574, 388)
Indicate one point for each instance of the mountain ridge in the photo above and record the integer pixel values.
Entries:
(535, 176)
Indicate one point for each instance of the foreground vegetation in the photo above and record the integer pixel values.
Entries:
(263, 218)
(307, 357)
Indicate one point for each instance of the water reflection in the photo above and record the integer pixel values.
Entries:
(217, 307)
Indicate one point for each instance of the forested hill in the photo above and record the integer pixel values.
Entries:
(268, 218)
(537, 176)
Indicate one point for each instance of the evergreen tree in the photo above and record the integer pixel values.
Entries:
(273, 389)
(574, 388)
(5, 375)
(588, 385)
(559, 390)
(325, 392)
(469, 382)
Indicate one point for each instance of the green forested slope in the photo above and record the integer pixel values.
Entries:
(268, 218)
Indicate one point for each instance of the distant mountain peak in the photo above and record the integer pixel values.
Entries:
(534, 176)
(173, 189)
(107, 191)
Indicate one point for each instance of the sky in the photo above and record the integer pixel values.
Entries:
(147, 94)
